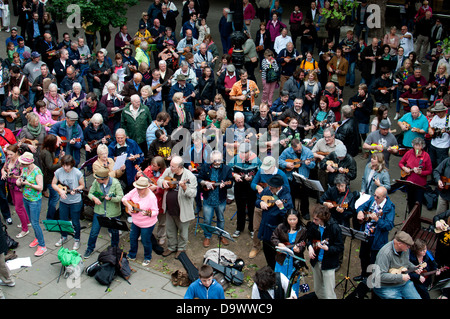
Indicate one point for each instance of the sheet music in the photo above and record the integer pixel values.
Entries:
(120, 160)
(310, 183)
(361, 200)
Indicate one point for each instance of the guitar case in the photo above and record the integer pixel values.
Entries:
(189, 266)
(232, 275)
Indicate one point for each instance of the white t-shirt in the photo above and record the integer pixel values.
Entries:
(407, 44)
(444, 140)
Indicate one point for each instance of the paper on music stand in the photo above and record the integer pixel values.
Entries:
(288, 252)
(310, 183)
(361, 200)
(18, 263)
(120, 160)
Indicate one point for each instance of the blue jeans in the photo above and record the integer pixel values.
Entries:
(146, 240)
(95, 230)
(34, 211)
(208, 214)
(71, 212)
(350, 79)
(406, 291)
(53, 199)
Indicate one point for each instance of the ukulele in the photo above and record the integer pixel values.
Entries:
(404, 174)
(151, 179)
(102, 196)
(446, 182)
(9, 117)
(316, 242)
(194, 167)
(173, 182)
(56, 117)
(270, 200)
(297, 163)
(135, 156)
(35, 143)
(64, 140)
(113, 113)
(67, 189)
(136, 209)
(431, 272)
(366, 215)
(94, 143)
(335, 205)
(336, 166)
(56, 159)
(446, 227)
(438, 132)
(289, 59)
(388, 88)
(394, 147)
(406, 125)
(214, 185)
(405, 270)
(247, 95)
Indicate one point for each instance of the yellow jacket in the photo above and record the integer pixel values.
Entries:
(138, 36)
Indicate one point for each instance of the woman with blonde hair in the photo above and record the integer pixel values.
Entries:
(103, 161)
(375, 175)
(33, 131)
(55, 102)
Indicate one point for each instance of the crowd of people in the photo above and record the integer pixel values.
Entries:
(69, 111)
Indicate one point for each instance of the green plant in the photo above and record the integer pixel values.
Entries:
(101, 13)
(446, 45)
(345, 9)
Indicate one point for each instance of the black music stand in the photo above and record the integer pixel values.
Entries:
(112, 223)
(219, 232)
(353, 234)
(86, 164)
(59, 226)
(408, 184)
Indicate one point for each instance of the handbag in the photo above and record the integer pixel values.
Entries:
(259, 48)
(254, 59)
(10, 243)
(271, 75)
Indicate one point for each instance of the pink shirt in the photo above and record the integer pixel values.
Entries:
(149, 202)
(45, 118)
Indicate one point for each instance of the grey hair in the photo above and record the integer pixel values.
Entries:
(347, 111)
(239, 115)
(341, 179)
(418, 141)
(97, 117)
(76, 85)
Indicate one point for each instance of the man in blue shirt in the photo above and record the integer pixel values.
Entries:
(305, 158)
(13, 38)
(416, 125)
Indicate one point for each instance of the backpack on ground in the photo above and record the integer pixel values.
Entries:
(112, 262)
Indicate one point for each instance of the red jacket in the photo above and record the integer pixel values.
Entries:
(411, 160)
(334, 105)
(8, 138)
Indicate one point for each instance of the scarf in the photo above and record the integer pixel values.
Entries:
(35, 131)
(180, 112)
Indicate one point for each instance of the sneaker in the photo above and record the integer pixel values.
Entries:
(34, 243)
(131, 259)
(20, 225)
(146, 262)
(22, 234)
(2, 283)
(87, 253)
(40, 251)
(129, 220)
(396, 116)
(76, 245)
(61, 242)
(9, 221)
(236, 234)
(252, 234)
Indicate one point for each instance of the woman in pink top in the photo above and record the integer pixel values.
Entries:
(144, 217)
(45, 117)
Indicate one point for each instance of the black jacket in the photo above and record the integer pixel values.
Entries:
(225, 174)
(362, 114)
(332, 194)
(3, 245)
(348, 162)
(332, 233)
(348, 133)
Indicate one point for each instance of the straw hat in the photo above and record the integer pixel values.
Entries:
(26, 158)
(101, 173)
(141, 183)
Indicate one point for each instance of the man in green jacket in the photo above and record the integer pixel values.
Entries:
(136, 118)
(106, 192)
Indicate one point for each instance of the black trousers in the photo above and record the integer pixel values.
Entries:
(245, 199)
